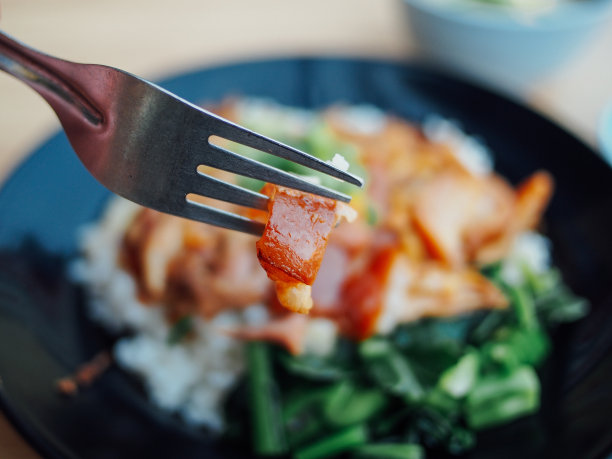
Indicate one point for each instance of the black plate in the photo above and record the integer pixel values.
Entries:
(44, 333)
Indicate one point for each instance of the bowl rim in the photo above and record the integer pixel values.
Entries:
(569, 15)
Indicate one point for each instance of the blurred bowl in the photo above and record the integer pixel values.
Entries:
(507, 50)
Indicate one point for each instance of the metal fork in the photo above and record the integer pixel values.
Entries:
(146, 144)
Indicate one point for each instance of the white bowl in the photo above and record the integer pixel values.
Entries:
(505, 50)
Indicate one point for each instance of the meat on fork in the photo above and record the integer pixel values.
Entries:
(294, 241)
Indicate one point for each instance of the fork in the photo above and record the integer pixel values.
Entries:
(146, 144)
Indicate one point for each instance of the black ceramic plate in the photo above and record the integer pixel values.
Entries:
(44, 333)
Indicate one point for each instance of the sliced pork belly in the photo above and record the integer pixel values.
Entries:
(292, 246)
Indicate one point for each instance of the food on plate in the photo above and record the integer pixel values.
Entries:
(428, 313)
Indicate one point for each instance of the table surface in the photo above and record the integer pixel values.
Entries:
(148, 38)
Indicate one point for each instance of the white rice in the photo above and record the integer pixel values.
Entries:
(191, 378)
(339, 162)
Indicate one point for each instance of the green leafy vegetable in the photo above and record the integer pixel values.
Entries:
(336, 443)
(390, 451)
(349, 404)
(438, 430)
(266, 415)
(459, 379)
(180, 330)
(390, 369)
(500, 398)
(430, 383)
(518, 347)
(523, 305)
(371, 216)
(303, 414)
(315, 367)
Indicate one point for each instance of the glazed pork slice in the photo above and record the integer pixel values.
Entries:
(189, 267)
(295, 237)
(392, 289)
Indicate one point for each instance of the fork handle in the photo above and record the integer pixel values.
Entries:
(53, 78)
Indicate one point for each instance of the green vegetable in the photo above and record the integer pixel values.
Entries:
(485, 328)
(391, 370)
(439, 430)
(305, 400)
(399, 416)
(570, 310)
(374, 348)
(180, 330)
(496, 399)
(322, 142)
(447, 334)
(349, 404)
(266, 418)
(390, 451)
(372, 216)
(313, 367)
(442, 402)
(336, 443)
(321, 139)
(554, 302)
(540, 283)
(518, 347)
(559, 305)
(303, 413)
(459, 379)
(523, 305)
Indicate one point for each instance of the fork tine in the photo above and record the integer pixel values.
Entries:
(205, 185)
(224, 159)
(233, 132)
(206, 214)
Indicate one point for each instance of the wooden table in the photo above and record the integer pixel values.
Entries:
(155, 38)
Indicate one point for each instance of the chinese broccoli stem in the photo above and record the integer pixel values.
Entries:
(266, 414)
